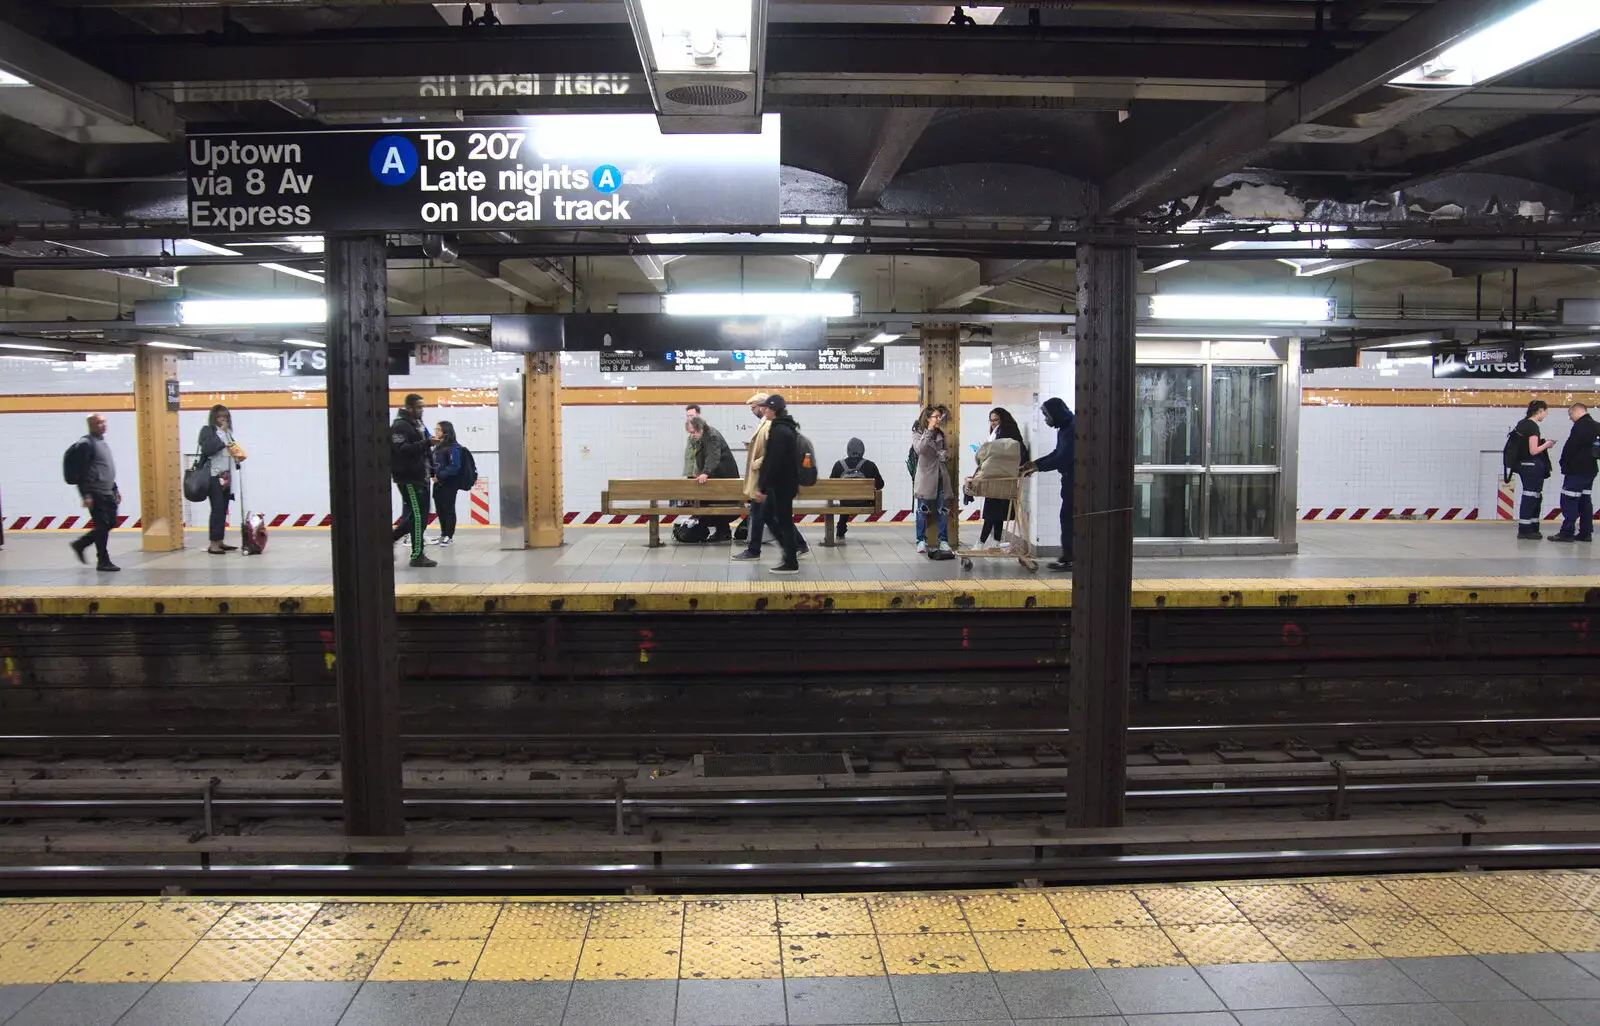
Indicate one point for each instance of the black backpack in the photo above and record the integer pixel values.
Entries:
(469, 470)
(690, 531)
(75, 462)
(1514, 453)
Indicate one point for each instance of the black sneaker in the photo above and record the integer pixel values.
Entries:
(108, 568)
(786, 568)
(422, 561)
(1561, 538)
(1059, 565)
(1585, 538)
(840, 533)
(1533, 535)
(77, 550)
(745, 556)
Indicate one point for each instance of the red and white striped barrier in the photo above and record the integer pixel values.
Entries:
(1440, 513)
(478, 502)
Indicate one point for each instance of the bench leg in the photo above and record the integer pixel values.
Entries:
(827, 530)
(655, 533)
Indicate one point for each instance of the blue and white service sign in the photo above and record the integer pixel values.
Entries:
(611, 170)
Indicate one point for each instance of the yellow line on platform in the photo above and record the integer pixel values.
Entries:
(805, 596)
(225, 940)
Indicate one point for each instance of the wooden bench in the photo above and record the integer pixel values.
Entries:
(724, 497)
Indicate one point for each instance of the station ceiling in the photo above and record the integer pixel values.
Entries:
(953, 165)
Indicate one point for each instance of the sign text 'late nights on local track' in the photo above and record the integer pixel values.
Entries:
(523, 172)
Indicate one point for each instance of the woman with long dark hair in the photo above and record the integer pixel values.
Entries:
(217, 446)
(445, 462)
(1002, 425)
(930, 481)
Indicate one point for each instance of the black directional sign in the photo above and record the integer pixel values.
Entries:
(616, 171)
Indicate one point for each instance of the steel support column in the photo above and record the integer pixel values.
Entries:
(1102, 537)
(941, 386)
(160, 464)
(367, 669)
(541, 425)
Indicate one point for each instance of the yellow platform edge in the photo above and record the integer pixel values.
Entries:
(804, 596)
(238, 940)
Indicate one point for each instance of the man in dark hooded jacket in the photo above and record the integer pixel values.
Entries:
(1059, 417)
(779, 480)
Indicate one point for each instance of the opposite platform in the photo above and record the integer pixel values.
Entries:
(610, 569)
(1490, 949)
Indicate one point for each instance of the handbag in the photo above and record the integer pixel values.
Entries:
(197, 480)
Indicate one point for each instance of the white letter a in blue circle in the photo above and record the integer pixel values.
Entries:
(605, 179)
(393, 163)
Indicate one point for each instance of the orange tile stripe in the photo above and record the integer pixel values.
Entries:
(1507, 398)
(669, 395)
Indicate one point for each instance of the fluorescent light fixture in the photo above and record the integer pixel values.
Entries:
(883, 338)
(170, 345)
(1167, 306)
(1413, 344)
(297, 272)
(32, 348)
(252, 311)
(1538, 29)
(310, 343)
(865, 347)
(210, 247)
(1564, 346)
(453, 340)
(828, 264)
(760, 304)
(1169, 265)
(699, 35)
(1215, 336)
(1565, 356)
(8, 79)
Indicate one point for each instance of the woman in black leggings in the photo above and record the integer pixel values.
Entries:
(224, 455)
(446, 467)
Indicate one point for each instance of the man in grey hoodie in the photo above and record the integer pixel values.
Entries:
(96, 474)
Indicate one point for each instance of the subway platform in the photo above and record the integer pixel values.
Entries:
(876, 567)
(1481, 949)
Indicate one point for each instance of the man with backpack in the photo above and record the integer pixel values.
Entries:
(779, 480)
(90, 466)
(1527, 455)
(1579, 464)
(855, 466)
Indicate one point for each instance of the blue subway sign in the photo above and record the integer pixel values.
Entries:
(610, 170)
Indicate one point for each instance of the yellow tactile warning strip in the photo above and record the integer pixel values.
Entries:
(796, 935)
(806, 596)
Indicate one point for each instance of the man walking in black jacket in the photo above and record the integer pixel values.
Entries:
(779, 481)
(1578, 468)
(409, 446)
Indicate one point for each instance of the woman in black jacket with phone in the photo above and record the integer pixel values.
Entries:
(224, 455)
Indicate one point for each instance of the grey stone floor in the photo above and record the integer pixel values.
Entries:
(871, 553)
(1492, 990)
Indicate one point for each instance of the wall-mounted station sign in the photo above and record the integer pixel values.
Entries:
(1511, 362)
(759, 361)
(610, 170)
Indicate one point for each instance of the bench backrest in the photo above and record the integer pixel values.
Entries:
(731, 490)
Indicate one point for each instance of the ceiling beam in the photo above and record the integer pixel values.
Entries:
(898, 132)
(86, 86)
(991, 275)
(1230, 138)
(1519, 137)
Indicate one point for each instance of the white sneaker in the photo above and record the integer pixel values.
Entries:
(447, 541)
(430, 541)
(922, 547)
(944, 546)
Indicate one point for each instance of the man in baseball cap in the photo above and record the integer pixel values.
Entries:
(778, 481)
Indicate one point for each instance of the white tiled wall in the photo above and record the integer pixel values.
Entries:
(1413, 456)
(287, 471)
(1026, 373)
